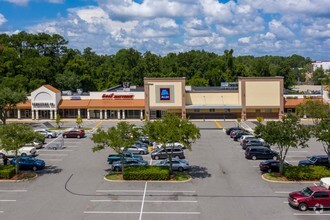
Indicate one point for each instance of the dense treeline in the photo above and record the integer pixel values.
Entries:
(30, 60)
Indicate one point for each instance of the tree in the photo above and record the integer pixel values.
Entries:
(315, 109)
(172, 128)
(285, 134)
(14, 136)
(58, 120)
(9, 100)
(322, 134)
(79, 121)
(118, 138)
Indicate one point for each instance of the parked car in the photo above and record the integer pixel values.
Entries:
(310, 197)
(116, 157)
(141, 144)
(28, 163)
(260, 153)
(48, 133)
(319, 160)
(145, 140)
(163, 153)
(177, 164)
(75, 133)
(23, 151)
(137, 150)
(176, 144)
(36, 144)
(255, 142)
(243, 137)
(231, 129)
(247, 139)
(236, 134)
(271, 166)
(117, 166)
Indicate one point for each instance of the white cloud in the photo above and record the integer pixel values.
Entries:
(18, 2)
(2, 19)
(280, 30)
(196, 28)
(244, 40)
(214, 41)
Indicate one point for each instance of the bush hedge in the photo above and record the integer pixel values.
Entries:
(306, 172)
(146, 173)
(7, 172)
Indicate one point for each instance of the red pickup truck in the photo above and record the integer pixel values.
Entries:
(311, 197)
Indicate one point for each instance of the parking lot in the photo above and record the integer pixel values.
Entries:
(224, 186)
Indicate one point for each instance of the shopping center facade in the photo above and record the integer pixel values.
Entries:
(248, 98)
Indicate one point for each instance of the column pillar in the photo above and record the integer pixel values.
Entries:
(123, 114)
(141, 114)
(55, 114)
(101, 114)
(79, 114)
(37, 114)
(51, 114)
(118, 114)
(105, 114)
(18, 113)
(32, 114)
(88, 114)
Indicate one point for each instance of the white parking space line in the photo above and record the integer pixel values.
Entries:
(54, 151)
(13, 190)
(144, 196)
(151, 191)
(286, 202)
(296, 151)
(71, 146)
(7, 200)
(52, 159)
(1, 211)
(282, 192)
(158, 213)
(311, 214)
(145, 201)
(255, 166)
(53, 154)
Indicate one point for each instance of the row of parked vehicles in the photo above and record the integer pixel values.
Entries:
(132, 156)
(316, 197)
(27, 154)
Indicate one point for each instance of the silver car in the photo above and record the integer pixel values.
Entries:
(177, 164)
(137, 150)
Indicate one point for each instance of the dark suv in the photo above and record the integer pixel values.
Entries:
(271, 166)
(320, 160)
(163, 153)
(260, 153)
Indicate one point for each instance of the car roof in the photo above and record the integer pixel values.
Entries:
(257, 147)
(318, 188)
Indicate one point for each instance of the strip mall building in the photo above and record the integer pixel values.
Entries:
(246, 99)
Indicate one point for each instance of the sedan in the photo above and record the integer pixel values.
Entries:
(137, 150)
(271, 166)
(74, 134)
(117, 166)
(28, 163)
(177, 164)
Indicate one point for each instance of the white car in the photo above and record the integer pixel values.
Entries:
(245, 136)
(23, 151)
(48, 133)
(176, 144)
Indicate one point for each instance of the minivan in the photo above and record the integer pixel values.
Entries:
(163, 153)
(260, 153)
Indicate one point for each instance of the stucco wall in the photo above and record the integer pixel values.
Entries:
(212, 99)
(176, 98)
(262, 93)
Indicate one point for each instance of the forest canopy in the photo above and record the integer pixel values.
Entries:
(28, 61)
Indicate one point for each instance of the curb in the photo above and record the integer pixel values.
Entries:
(19, 181)
(278, 181)
(150, 181)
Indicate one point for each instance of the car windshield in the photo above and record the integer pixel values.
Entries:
(313, 159)
(306, 191)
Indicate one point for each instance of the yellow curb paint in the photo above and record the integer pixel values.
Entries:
(218, 124)
(98, 124)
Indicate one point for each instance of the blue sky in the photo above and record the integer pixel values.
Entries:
(250, 27)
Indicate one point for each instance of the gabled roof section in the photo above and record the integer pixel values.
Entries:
(51, 88)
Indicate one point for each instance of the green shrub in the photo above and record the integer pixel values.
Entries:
(7, 172)
(146, 173)
(306, 172)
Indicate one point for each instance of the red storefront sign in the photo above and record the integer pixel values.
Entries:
(113, 96)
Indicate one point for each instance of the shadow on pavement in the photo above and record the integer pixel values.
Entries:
(49, 170)
(198, 172)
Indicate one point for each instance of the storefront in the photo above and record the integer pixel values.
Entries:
(248, 98)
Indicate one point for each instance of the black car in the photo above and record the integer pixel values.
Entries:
(271, 166)
(319, 160)
(238, 134)
(260, 153)
(232, 129)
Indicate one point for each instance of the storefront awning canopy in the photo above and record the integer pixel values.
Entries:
(102, 104)
(25, 105)
(213, 107)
